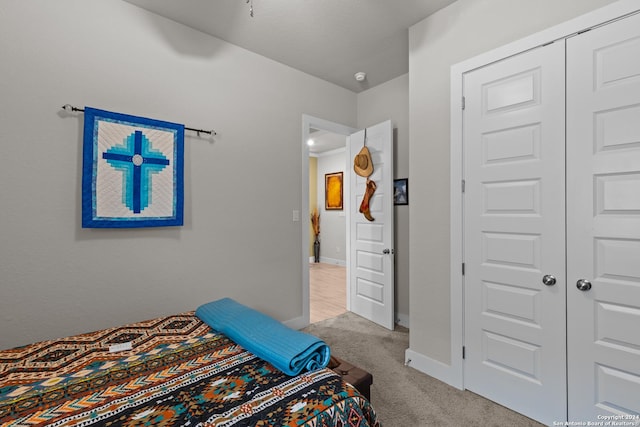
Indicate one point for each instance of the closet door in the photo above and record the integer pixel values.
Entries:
(514, 244)
(603, 220)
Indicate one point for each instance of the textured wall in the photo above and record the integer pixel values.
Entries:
(333, 225)
(390, 101)
(460, 31)
(313, 197)
(238, 240)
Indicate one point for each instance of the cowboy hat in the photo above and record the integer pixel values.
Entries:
(362, 164)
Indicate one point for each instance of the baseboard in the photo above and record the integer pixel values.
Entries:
(296, 323)
(333, 261)
(434, 368)
(402, 319)
(326, 260)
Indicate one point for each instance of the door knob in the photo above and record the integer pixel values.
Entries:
(583, 284)
(549, 280)
(387, 251)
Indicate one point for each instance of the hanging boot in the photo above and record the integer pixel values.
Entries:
(364, 206)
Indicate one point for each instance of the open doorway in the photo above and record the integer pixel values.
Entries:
(325, 284)
(327, 252)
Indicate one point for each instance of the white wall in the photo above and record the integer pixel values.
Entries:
(460, 31)
(333, 238)
(238, 240)
(390, 101)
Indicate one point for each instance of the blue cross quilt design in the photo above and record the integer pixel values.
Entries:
(132, 171)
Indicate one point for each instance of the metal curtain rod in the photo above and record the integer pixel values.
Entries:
(69, 107)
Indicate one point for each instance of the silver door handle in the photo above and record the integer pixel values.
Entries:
(549, 280)
(583, 284)
(388, 251)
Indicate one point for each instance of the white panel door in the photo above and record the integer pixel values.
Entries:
(603, 221)
(514, 233)
(371, 253)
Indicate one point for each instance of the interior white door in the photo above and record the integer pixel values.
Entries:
(603, 221)
(371, 252)
(514, 283)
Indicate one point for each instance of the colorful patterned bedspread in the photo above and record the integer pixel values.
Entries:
(179, 372)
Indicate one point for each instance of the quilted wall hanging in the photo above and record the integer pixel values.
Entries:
(132, 171)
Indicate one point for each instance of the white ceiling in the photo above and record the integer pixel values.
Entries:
(330, 39)
(324, 141)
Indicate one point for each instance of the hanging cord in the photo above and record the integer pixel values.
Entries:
(69, 107)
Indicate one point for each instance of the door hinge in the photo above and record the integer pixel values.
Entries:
(463, 103)
(463, 268)
(463, 352)
(463, 185)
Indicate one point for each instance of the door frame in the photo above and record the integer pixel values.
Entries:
(453, 374)
(309, 122)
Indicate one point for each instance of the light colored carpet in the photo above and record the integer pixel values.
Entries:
(403, 396)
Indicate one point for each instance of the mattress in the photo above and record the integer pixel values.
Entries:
(169, 371)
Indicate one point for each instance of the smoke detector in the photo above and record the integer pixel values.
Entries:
(360, 76)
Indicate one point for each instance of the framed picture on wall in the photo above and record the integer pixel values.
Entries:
(333, 191)
(401, 191)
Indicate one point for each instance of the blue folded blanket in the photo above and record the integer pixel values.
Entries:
(289, 350)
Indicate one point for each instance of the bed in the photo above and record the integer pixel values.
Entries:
(169, 371)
